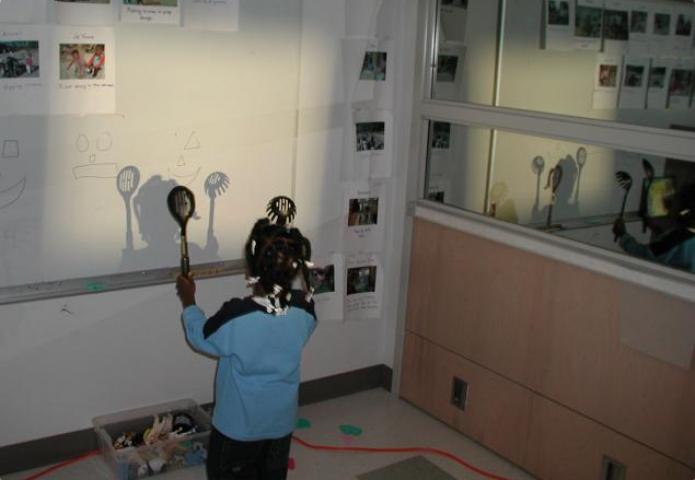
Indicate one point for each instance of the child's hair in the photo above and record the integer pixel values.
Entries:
(275, 254)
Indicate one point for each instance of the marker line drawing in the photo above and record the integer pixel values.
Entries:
(10, 149)
(95, 169)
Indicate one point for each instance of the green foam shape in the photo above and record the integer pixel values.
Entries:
(351, 430)
(303, 424)
(96, 287)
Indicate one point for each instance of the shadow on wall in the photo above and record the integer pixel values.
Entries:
(564, 206)
(157, 229)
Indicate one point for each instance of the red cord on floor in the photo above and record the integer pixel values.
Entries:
(433, 451)
(326, 448)
(62, 465)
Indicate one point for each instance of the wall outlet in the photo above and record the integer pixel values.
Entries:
(612, 469)
(459, 393)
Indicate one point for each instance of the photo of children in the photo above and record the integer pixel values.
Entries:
(441, 135)
(634, 75)
(587, 22)
(374, 66)
(363, 211)
(662, 23)
(323, 279)
(615, 25)
(684, 25)
(19, 59)
(558, 12)
(95, 2)
(153, 3)
(361, 280)
(446, 68)
(82, 61)
(681, 83)
(608, 76)
(370, 136)
(638, 21)
(657, 77)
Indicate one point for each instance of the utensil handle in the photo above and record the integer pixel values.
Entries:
(185, 266)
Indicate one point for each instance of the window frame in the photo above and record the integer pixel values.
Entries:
(665, 143)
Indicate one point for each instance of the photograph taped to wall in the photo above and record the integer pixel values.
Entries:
(662, 24)
(23, 11)
(363, 286)
(217, 16)
(659, 77)
(94, 2)
(633, 93)
(328, 281)
(607, 81)
(374, 66)
(559, 13)
(370, 136)
(455, 3)
(19, 59)
(683, 31)
(82, 61)
(608, 76)
(615, 25)
(447, 66)
(151, 11)
(441, 135)
(680, 88)
(638, 22)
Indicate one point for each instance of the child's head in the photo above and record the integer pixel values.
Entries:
(275, 254)
(75, 54)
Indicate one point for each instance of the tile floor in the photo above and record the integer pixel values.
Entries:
(386, 422)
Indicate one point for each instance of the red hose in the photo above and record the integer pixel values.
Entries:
(311, 446)
(62, 465)
(433, 451)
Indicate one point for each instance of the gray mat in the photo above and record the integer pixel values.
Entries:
(416, 468)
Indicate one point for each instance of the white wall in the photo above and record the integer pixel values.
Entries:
(65, 361)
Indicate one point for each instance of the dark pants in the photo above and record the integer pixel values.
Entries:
(230, 459)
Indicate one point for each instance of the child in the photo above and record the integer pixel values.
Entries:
(676, 247)
(258, 341)
(78, 62)
(96, 62)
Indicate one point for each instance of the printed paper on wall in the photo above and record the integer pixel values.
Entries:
(23, 70)
(616, 26)
(607, 79)
(218, 15)
(364, 216)
(658, 85)
(83, 71)
(559, 24)
(327, 279)
(363, 286)
(588, 24)
(372, 143)
(680, 88)
(633, 91)
(641, 19)
(23, 11)
(163, 12)
(369, 71)
(85, 12)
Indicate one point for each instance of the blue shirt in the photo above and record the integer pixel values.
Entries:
(676, 249)
(259, 355)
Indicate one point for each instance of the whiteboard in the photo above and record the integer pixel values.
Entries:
(205, 109)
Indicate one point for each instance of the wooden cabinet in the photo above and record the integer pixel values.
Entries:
(552, 387)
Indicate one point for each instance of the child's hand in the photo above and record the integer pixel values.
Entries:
(185, 289)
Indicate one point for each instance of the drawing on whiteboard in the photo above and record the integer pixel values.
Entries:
(215, 185)
(185, 171)
(10, 194)
(94, 169)
(156, 229)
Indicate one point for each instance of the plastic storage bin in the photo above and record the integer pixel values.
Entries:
(161, 457)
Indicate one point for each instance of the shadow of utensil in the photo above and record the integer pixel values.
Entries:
(127, 182)
(215, 185)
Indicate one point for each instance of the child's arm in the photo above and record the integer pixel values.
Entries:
(193, 317)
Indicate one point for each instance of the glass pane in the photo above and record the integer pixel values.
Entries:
(626, 61)
(466, 51)
(577, 191)
(630, 62)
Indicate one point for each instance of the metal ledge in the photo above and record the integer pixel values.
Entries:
(111, 283)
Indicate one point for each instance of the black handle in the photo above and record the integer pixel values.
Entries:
(185, 266)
